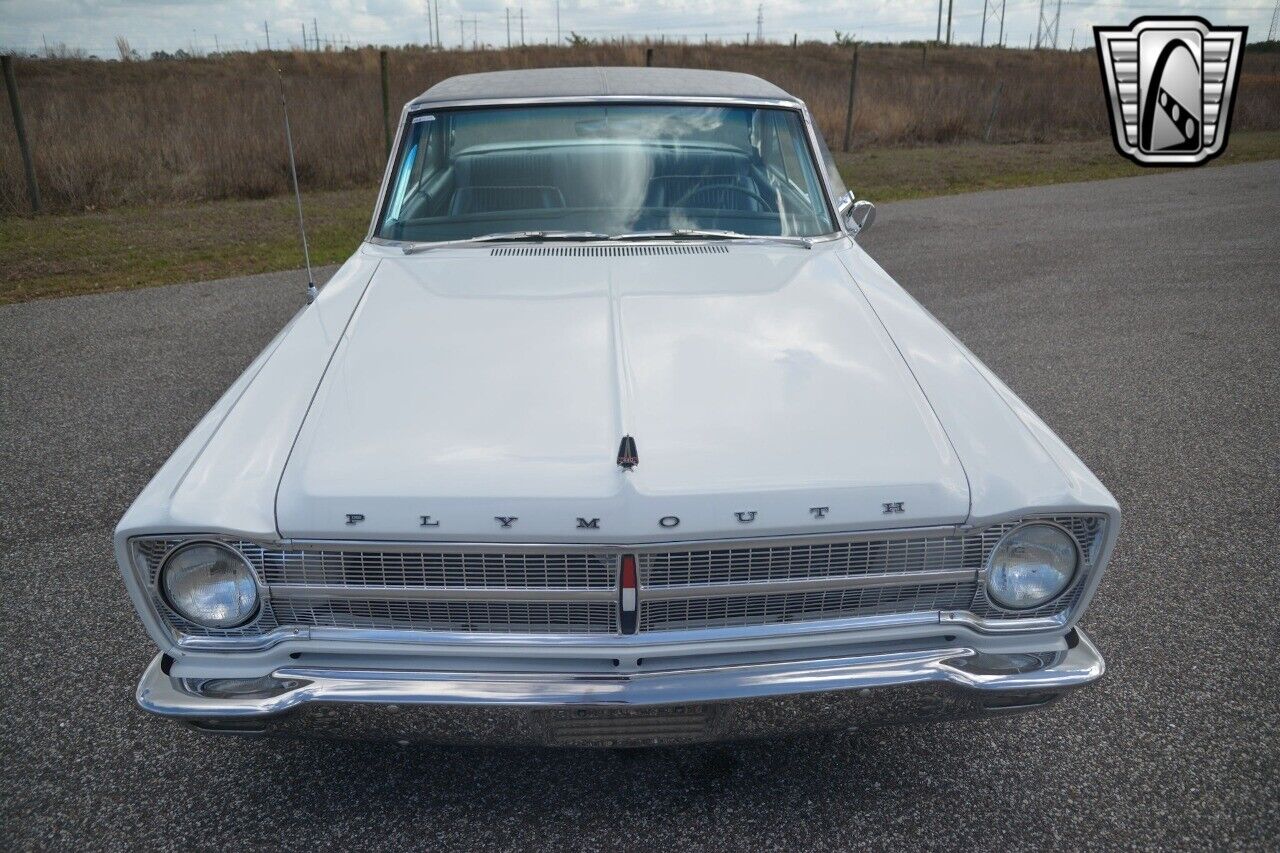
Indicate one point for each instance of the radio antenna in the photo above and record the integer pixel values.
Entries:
(297, 194)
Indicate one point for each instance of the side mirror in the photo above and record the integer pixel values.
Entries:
(858, 214)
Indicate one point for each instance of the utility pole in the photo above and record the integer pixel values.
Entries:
(557, 22)
(19, 127)
(760, 24)
(508, 28)
(1275, 23)
(266, 29)
(439, 36)
(304, 36)
(1047, 28)
(938, 38)
(989, 12)
(462, 34)
(217, 47)
(315, 33)
(950, 3)
(431, 39)
(386, 101)
(522, 26)
(853, 90)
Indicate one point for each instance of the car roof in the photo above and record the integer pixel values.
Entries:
(597, 82)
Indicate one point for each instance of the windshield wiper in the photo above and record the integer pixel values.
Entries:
(711, 234)
(508, 237)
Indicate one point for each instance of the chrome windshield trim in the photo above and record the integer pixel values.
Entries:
(797, 105)
(419, 104)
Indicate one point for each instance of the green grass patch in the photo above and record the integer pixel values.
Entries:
(141, 247)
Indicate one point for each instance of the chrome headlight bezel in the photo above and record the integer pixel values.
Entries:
(1069, 577)
(246, 579)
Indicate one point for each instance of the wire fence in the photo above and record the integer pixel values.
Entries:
(184, 129)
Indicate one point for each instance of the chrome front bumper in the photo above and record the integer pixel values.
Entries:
(642, 709)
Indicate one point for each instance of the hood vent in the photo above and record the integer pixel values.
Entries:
(607, 251)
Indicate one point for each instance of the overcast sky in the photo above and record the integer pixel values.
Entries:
(26, 25)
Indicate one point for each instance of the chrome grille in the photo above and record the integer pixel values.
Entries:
(527, 591)
(675, 595)
(795, 562)
(413, 569)
(383, 589)
(436, 570)
(844, 559)
(518, 617)
(778, 608)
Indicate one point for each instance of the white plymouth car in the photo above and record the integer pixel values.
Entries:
(610, 434)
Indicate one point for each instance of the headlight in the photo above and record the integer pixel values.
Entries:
(1030, 565)
(210, 584)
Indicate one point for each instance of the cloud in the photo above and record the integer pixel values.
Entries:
(201, 24)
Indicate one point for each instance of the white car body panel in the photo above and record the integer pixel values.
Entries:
(422, 475)
(469, 387)
(223, 477)
(1011, 457)
(767, 380)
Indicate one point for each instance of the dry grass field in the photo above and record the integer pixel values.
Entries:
(110, 134)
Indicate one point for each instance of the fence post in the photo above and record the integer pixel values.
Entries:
(386, 102)
(33, 190)
(991, 119)
(853, 88)
(648, 57)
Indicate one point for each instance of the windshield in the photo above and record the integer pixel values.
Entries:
(606, 169)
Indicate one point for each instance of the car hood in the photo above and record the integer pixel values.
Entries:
(481, 394)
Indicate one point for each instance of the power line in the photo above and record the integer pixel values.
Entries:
(1047, 28)
(988, 13)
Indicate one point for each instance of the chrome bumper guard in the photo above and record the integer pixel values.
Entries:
(642, 709)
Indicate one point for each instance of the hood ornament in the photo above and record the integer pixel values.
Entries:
(628, 456)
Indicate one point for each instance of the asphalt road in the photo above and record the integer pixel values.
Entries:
(1139, 317)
